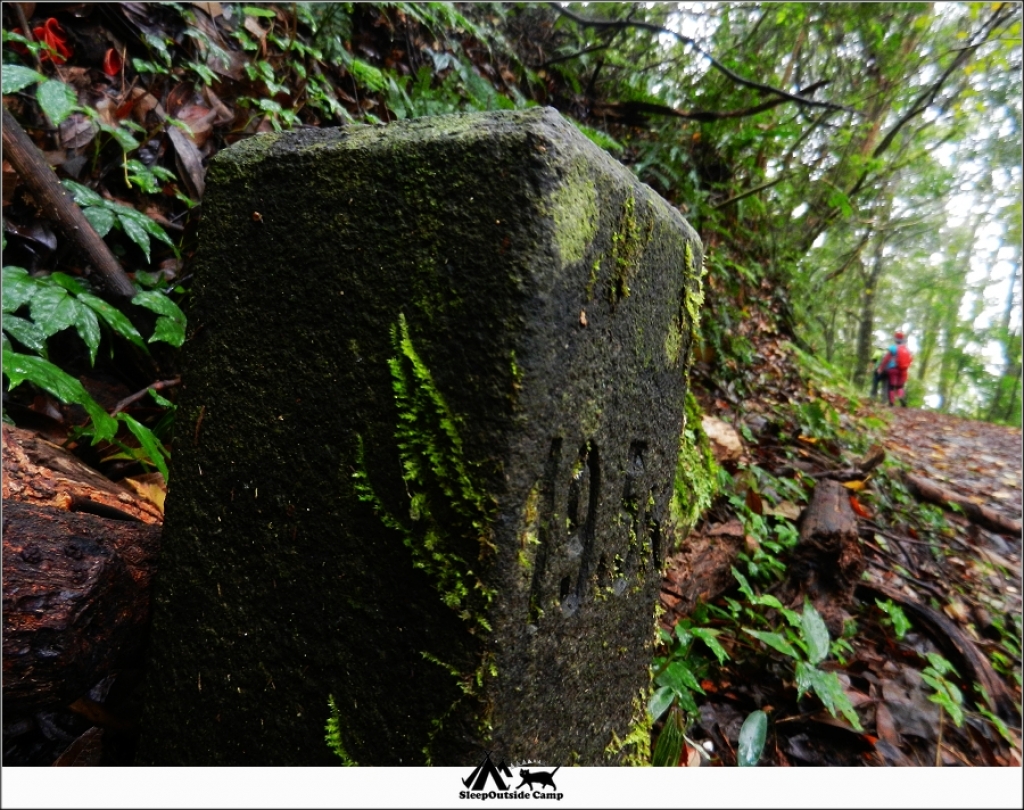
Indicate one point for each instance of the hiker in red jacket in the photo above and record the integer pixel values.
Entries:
(895, 364)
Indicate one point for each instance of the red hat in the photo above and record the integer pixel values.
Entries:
(899, 335)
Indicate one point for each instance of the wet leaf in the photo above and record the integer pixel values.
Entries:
(18, 288)
(815, 634)
(21, 367)
(15, 77)
(660, 701)
(773, 640)
(753, 733)
(149, 443)
(101, 219)
(57, 100)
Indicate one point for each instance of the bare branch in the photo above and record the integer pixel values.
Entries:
(658, 29)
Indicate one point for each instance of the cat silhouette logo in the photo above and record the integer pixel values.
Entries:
(542, 778)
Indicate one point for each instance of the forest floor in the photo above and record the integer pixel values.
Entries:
(959, 591)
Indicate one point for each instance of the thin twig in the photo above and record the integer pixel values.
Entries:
(19, 12)
(160, 385)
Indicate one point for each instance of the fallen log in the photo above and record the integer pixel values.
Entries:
(75, 601)
(975, 667)
(828, 561)
(41, 473)
(982, 515)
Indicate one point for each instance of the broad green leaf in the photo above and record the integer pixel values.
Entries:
(25, 332)
(804, 678)
(135, 232)
(146, 223)
(149, 443)
(707, 635)
(52, 309)
(169, 331)
(255, 11)
(940, 664)
(113, 317)
(69, 283)
(88, 329)
(815, 634)
(56, 99)
(954, 710)
(768, 600)
(159, 303)
(678, 676)
(900, 622)
(773, 640)
(18, 288)
(753, 733)
(83, 194)
(16, 77)
(685, 637)
(660, 701)
(124, 138)
(669, 748)
(827, 687)
(21, 367)
(101, 219)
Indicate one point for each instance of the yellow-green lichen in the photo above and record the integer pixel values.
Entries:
(696, 481)
(694, 292)
(575, 212)
(529, 535)
(629, 241)
(635, 747)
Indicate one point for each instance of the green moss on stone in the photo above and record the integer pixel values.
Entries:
(435, 472)
(575, 212)
(696, 482)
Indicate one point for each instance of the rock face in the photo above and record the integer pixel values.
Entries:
(425, 450)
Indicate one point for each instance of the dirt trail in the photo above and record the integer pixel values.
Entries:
(976, 459)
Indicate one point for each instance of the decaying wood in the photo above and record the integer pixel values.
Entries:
(38, 472)
(700, 570)
(75, 601)
(30, 165)
(828, 560)
(982, 515)
(974, 666)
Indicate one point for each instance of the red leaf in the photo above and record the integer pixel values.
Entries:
(112, 63)
(858, 508)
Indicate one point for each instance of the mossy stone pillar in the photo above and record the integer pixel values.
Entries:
(424, 454)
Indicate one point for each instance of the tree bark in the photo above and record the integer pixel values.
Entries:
(75, 602)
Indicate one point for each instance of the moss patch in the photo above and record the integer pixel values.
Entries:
(448, 510)
(574, 207)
